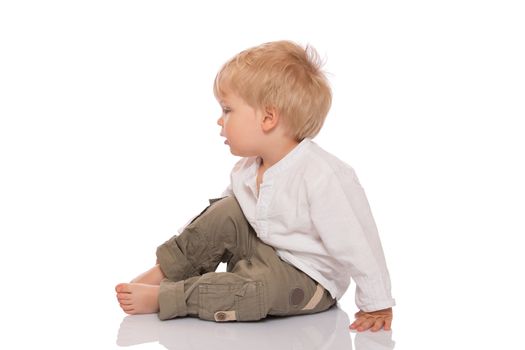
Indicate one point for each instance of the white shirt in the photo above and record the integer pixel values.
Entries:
(312, 209)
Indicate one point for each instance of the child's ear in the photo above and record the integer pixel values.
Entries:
(270, 118)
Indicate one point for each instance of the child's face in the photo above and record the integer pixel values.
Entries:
(240, 124)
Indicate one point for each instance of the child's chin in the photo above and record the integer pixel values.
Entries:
(237, 152)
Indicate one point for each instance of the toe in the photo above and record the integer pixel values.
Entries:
(123, 296)
(123, 288)
(129, 310)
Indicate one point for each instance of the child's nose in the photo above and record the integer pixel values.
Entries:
(220, 121)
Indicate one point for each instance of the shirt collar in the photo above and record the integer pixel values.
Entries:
(286, 161)
(282, 164)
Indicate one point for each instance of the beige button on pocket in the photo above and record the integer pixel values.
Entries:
(222, 316)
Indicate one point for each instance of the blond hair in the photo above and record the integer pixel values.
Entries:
(282, 75)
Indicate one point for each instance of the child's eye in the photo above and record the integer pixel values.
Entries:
(226, 111)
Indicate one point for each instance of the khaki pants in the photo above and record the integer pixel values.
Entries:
(257, 282)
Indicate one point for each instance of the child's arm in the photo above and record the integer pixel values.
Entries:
(341, 215)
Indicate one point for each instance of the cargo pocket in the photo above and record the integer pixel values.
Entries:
(231, 302)
(249, 302)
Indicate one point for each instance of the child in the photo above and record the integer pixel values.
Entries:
(293, 225)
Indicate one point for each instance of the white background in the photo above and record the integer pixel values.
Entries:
(109, 143)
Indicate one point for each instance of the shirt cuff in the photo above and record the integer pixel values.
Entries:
(373, 293)
(378, 306)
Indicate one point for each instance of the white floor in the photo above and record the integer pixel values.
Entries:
(326, 330)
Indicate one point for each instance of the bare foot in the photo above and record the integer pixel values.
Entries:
(152, 276)
(138, 298)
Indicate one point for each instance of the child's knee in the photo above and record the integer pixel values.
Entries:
(223, 216)
(228, 207)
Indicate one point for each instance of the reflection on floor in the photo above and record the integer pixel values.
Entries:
(326, 330)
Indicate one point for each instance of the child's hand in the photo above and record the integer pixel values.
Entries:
(374, 320)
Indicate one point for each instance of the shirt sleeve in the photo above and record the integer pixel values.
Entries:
(342, 217)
